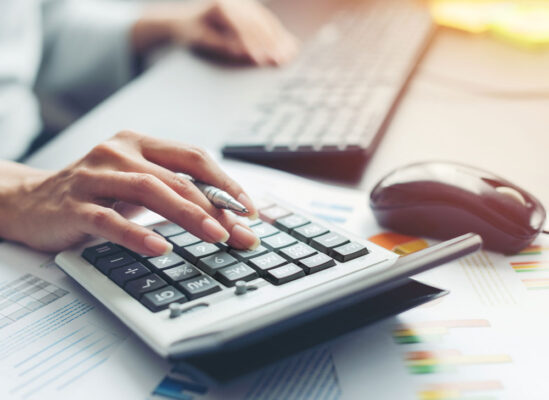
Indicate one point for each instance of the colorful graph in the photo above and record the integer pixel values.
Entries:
(400, 244)
(534, 261)
(530, 266)
(534, 249)
(461, 390)
(536, 283)
(429, 331)
(429, 362)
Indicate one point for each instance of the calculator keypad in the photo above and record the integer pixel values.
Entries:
(291, 248)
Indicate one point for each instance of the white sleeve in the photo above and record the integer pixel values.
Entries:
(20, 53)
(87, 51)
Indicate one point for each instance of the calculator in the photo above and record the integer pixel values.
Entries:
(206, 296)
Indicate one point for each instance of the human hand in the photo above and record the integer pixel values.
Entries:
(235, 29)
(52, 211)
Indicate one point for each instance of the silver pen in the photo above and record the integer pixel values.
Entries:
(219, 198)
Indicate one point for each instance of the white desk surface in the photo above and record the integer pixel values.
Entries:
(473, 99)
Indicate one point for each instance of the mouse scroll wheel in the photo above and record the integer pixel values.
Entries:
(512, 193)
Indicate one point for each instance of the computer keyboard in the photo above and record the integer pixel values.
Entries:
(328, 113)
(292, 247)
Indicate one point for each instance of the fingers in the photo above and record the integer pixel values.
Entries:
(105, 222)
(197, 163)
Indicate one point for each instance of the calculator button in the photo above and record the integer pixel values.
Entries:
(91, 254)
(106, 264)
(185, 239)
(237, 272)
(161, 298)
(199, 250)
(297, 251)
(244, 255)
(267, 261)
(145, 284)
(291, 222)
(284, 274)
(124, 274)
(307, 232)
(249, 222)
(279, 241)
(181, 272)
(273, 213)
(316, 263)
(216, 261)
(166, 261)
(349, 251)
(199, 286)
(263, 230)
(168, 229)
(328, 241)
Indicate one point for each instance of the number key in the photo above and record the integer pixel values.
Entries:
(216, 261)
(196, 251)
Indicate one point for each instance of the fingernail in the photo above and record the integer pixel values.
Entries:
(246, 202)
(214, 230)
(245, 237)
(157, 245)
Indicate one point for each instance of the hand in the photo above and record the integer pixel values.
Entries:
(236, 29)
(52, 211)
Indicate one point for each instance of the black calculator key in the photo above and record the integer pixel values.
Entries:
(200, 286)
(267, 261)
(148, 283)
(349, 251)
(161, 298)
(185, 239)
(297, 251)
(291, 222)
(124, 274)
(168, 229)
(181, 272)
(316, 263)
(271, 214)
(237, 272)
(166, 261)
(328, 241)
(279, 241)
(216, 261)
(263, 230)
(306, 232)
(117, 260)
(91, 254)
(244, 255)
(284, 274)
(199, 250)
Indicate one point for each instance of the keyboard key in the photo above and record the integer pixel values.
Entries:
(349, 251)
(267, 261)
(169, 229)
(181, 272)
(249, 222)
(238, 272)
(161, 298)
(316, 263)
(279, 241)
(200, 286)
(244, 255)
(91, 254)
(273, 213)
(307, 232)
(124, 274)
(199, 250)
(117, 260)
(328, 241)
(263, 230)
(184, 239)
(145, 284)
(291, 222)
(216, 261)
(284, 274)
(297, 251)
(166, 261)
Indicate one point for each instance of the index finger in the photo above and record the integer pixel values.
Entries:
(197, 163)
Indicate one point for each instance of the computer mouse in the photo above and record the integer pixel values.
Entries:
(442, 200)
